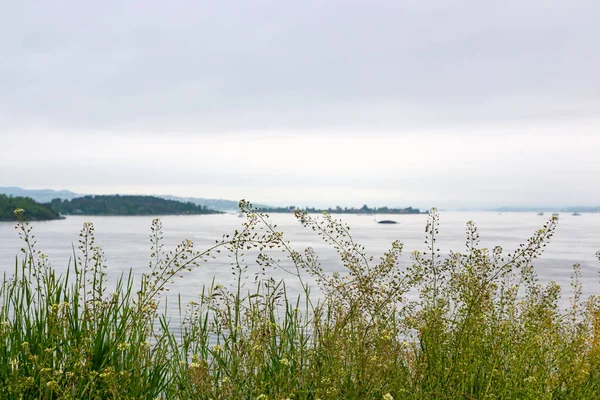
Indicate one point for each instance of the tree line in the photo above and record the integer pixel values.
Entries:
(33, 210)
(126, 205)
(339, 210)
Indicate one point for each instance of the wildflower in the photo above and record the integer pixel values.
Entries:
(123, 346)
(217, 348)
(285, 361)
(388, 396)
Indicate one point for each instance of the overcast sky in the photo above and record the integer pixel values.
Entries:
(449, 103)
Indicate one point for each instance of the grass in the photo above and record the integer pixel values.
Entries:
(473, 325)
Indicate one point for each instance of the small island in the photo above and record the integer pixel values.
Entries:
(125, 205)
(339, 210)
(33, 211)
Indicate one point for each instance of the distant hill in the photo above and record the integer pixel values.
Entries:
(126, 205)
(525, 209)
(214, 204)
(34, 211)
(548, 209)
(39, 195)
(582, 209)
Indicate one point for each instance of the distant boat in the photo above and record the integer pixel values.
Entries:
(540, 213)
(576, 214)
(386, 221)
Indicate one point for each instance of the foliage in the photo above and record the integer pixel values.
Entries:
(33, 210)
(126, 205)
(473, 325)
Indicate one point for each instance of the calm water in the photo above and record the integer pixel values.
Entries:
(125, 241)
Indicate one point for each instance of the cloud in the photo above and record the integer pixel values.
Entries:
(439, 102)
(229, 66)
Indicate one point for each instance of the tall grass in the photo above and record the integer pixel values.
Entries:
(474, 325)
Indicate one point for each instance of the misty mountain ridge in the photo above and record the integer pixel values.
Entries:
(573, 209)
(39, 195)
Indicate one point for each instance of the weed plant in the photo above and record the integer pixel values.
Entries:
(475, 324)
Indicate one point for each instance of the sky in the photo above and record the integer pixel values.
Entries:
(446, 103)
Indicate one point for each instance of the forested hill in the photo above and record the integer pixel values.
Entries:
(126, 205)
(33, 211)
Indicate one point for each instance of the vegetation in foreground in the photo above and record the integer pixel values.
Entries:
(480, 325)
(33, 210)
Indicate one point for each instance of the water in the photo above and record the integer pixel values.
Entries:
(125, 241)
